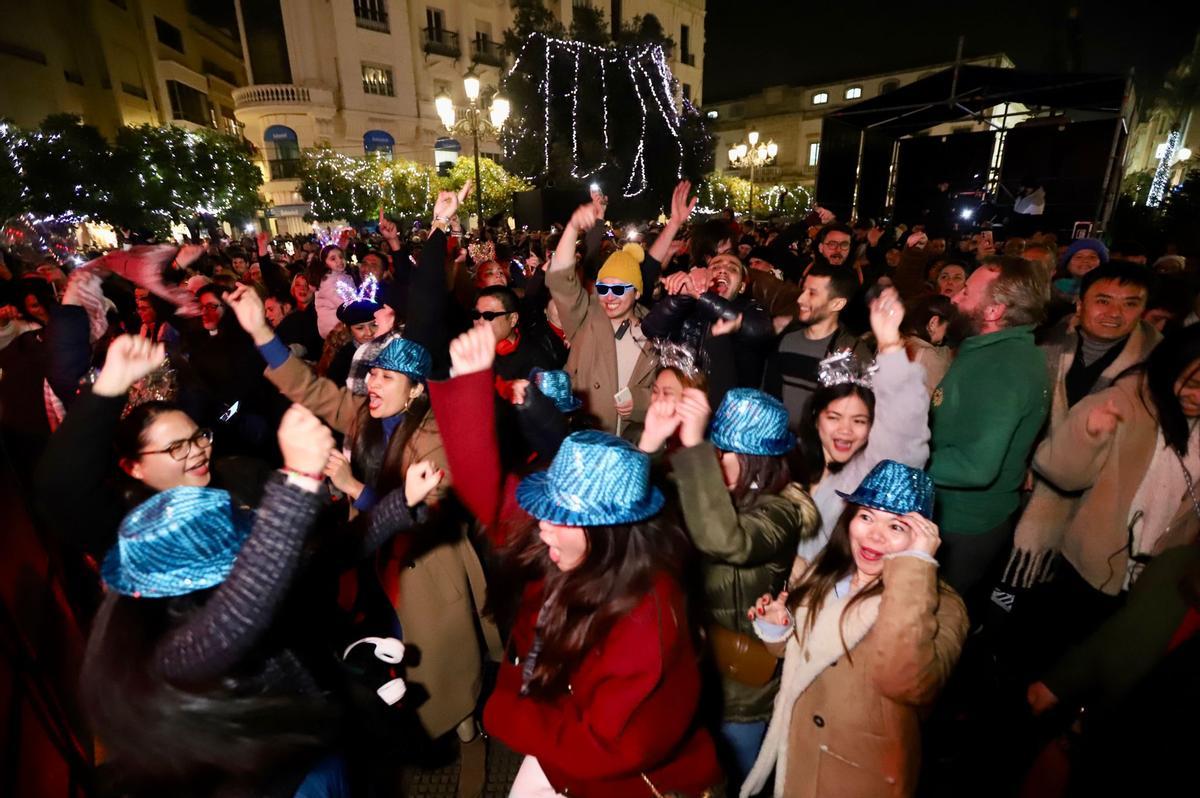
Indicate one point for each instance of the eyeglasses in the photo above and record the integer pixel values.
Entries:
(488, 314)
(617, 289)
(837, 245)
(182, 450)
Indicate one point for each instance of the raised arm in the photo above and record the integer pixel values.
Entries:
(565, 289)
(681, 209)
(221, 633)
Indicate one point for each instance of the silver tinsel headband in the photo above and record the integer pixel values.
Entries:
(842, 367)
(677, 356)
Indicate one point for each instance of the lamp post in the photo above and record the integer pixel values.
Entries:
(474, 122)
(752, 155)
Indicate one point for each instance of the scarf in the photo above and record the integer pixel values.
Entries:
(801, 666)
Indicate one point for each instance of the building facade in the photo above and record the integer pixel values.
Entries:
(791, 117)
(120, 62)
(1148, 140)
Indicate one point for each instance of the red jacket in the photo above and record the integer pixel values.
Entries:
(631, 705)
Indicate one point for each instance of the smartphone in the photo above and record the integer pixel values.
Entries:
(623, 395)
(228, 414)
(289, 247)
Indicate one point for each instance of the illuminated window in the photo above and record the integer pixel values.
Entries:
(820, 98)
(377, 80)
(853, 93)
(814, 153)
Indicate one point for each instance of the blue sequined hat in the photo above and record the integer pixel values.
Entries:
(176, 542)
(596, 479)
(405, 356)
(751, 422)
(894, 488)
(556, 385)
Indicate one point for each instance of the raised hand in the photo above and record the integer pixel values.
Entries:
(887, 311)
(925, 533)
(473, 351)
(387, 228)
(304, 441)
(873, 236)
(681, 206)
(1104, 419)
(129, 358)
(771, 610)
(726, 326)
(675, 283)
(448, 201)
(699, 279)
(661, 422)
(248, 307)
(264, 239)
(420, 480)
(1040, 698)
(695, 412)
(585, 217)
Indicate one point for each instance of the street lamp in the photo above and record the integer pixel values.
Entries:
(473, 122)
(752, 155)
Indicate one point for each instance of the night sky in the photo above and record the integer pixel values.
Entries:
(752, 45)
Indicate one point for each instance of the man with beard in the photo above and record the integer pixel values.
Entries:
(791, 370)
(702, 305)
(986, 415)
(833, 244)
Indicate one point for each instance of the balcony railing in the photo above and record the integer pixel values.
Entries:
(439, 41)
(284, 168)
(372, 16)
(486, 51)
(280, 94)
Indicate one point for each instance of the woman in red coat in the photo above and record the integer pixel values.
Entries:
(600, 683)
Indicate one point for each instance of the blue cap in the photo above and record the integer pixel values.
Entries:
(405, 356)
(1094, 244)
(176, 542)
(894, 488)
(751, 422)
(596, 479)
(556, 385)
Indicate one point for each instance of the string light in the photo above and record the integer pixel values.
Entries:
(639, 161)
(1162, 173)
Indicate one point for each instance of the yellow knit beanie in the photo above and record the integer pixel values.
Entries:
(625, 265)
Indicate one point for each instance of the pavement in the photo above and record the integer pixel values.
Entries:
(502, 765)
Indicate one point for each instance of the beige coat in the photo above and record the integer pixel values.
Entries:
(854, 731)
(1108, 471)
(442, 591)
(592, 362)
(1049, 512)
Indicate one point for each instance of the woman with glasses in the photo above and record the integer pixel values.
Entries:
(102, 461)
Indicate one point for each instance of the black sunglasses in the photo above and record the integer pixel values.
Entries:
(488, 314)
(617, 289)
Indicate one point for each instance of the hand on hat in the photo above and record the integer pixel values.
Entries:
(925, 533)
(694, 413)
(661, 422)
(129, 358)
(887, 311)
(248, 307)
(305, 442)
(771, 610)
(473, 351)
(420, 480)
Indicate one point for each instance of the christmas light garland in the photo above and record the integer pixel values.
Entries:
(1162, 173)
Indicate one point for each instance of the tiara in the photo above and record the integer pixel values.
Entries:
(364, 293)
(670, 354)
(842, 367)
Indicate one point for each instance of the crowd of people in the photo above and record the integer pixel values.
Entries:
(750, 508)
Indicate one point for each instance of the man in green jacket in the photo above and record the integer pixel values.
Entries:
(985, 418)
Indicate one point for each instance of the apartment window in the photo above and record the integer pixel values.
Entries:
(168, 34)
(435, 19)
(283, 152)
(187, 103)
(814, 152)
(820, 98)
(25, 53)
(134, 90)
(209, 68)
(889, 85)
(378, 141)
(378, 80)
(371, 14)
(119, 4)
(685, 46)
(853, 93)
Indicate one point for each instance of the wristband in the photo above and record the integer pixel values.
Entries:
(445, 219)
(318, 477)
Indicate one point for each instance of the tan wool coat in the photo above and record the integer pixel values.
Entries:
(1107, 470)
(592, 362)
(1040, 530)
(854, 730)
(442, 590)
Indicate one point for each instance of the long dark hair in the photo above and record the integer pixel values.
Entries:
(158, 735)
(1169, 361)
(809, 455)
(759, 475)
(582, 605)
